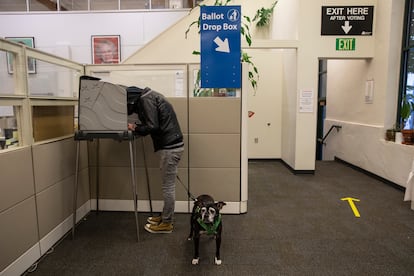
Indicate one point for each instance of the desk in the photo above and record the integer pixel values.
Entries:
(116, 135)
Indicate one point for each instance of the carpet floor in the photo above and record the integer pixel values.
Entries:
(295, 225)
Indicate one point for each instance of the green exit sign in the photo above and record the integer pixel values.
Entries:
(345, 44)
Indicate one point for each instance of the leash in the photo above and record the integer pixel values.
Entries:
(190, 195)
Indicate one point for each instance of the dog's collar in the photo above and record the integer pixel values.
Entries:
(210, 228)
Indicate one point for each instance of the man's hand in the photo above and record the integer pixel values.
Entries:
(131, 126)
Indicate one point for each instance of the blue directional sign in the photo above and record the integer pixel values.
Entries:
(220, 46)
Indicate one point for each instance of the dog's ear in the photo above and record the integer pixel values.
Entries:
(220, 204)
(197, 203)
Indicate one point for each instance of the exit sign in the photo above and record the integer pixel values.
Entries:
(345, 44)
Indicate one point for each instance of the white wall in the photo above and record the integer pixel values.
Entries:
(265, 126)
(69, 34)
(269, 58)
(296, 26)
(346, 92)
(289, 101)
(361, 139)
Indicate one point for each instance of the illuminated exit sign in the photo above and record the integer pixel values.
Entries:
(345, 44)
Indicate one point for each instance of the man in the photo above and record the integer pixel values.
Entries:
(158, 119)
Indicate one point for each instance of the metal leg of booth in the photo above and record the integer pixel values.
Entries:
(97, 175)
(134, 185)
(75, 189)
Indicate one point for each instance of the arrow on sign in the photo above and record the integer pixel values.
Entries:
(346, 27)
(223, 46)
(352, 204)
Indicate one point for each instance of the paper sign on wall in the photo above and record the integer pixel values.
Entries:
(306, 100)
(369, 91)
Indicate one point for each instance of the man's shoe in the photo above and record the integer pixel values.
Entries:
(154, 220)
(162, 228)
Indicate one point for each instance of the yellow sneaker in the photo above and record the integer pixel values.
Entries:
(162, 228)
(154, 220)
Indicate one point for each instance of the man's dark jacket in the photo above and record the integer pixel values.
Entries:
(157, 118)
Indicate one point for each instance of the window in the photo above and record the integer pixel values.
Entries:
(13, 5)
(134, 4)
(38, 95)
(52, 121)
(407, 66)
(9, 136)
(104, 5)
(93, 5)
(35, 5)
(73, 5)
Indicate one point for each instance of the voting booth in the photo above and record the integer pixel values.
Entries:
(102, 112)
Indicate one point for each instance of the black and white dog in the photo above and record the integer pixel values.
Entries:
(206, 219)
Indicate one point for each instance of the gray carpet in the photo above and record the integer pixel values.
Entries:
(295, 225)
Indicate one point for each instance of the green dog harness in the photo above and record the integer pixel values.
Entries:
(211, 229)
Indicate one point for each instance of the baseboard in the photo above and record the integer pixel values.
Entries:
(297, 171)
(386, 181)
(284, 163)
(31, 256)
(243, 207)
(264, 159)
(21, 264)
(144, 206)
(59, 231)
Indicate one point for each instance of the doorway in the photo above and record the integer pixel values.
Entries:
(322, 76)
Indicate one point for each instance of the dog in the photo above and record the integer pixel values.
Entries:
(206, 219)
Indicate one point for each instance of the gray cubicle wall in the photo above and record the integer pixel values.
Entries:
(18, 219)
(214, 138)
(37, 174)
(113, 165)
(36, 195)
(210, 163)
(54, 174)
(212, 130)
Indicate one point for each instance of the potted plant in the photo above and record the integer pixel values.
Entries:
(407, 107)
(390, 134)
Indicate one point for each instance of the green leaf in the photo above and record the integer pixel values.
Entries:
(249, 41)
(192, 23)
(264, 15)
(407, 106)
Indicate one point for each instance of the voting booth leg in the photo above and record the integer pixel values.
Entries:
(134, 186)
(75, 189)
(146, 174)
(97, 176)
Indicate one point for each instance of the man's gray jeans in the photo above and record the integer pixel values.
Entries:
(169, 160)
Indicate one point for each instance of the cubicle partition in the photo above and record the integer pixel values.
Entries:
(211, 121)
(38, 119)
(38, 99)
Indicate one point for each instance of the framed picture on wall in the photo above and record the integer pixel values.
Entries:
(31, 62)
(106, 49)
